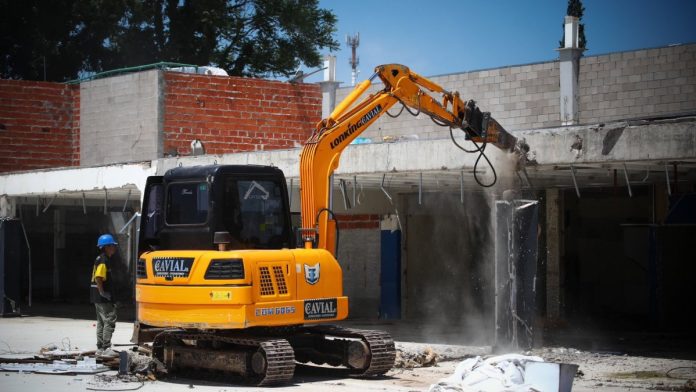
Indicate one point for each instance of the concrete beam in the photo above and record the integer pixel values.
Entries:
(43, 182)
(614, 143)
(667, 140)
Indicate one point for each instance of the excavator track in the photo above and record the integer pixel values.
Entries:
(381, 352)
(267, 361)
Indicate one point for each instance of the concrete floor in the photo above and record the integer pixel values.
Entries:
(601, 370)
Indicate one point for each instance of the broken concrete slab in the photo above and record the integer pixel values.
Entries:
(88, 365)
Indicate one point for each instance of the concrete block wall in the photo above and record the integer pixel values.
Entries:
(624, 85)
(232, 114)
(39, 125)
(519, 97)
(359, 257)
(120, 119)
(642, 83)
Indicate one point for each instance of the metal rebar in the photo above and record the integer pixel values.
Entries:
(49, 204)
(342, 187)
(106, 200)
(125, 204)
(84, 205)
(669, 188)
(26, 239)
(575, 181)
(137, 214)
(420, 189)
(355, 186)
(384, 189)
(628, 183)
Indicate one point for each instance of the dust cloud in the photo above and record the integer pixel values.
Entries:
(450, 259)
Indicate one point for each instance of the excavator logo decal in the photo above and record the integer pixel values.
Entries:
(256, 186)
(354, 127)
(311, 273)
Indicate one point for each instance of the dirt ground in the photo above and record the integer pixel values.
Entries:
(599, 371)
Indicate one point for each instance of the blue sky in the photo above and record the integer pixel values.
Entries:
(435, 37)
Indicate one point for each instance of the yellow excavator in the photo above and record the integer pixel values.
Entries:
(224, 284)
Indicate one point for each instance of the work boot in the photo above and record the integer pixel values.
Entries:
(108, 352)
(99, 352)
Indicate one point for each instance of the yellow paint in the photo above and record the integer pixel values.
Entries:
(221, 295)
(275, 297)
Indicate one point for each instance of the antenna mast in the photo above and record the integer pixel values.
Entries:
(353, 42)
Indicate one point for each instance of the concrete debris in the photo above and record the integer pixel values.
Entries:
(51, 360)
(88, 365)
(408, 360)
(105, 382)
(508, 373)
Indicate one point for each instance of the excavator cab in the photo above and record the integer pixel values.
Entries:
(226, 207)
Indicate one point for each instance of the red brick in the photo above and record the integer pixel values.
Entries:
(27, 108)
(232, 114)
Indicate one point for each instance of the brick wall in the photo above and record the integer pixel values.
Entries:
(642, 83)
(231, 114)
(39, 128)
(358, 221)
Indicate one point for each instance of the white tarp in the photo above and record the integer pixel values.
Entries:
(504, 373)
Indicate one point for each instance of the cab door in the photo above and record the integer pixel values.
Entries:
(152, 218)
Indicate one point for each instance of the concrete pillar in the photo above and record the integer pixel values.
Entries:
(569, 71)
(328, 86)
(554, 254)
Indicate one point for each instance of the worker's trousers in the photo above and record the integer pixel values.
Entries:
(106, 323)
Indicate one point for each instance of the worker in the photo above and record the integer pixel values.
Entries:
(101, 294)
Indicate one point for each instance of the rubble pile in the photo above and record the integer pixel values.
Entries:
(407, 360)
(51, 360)
(128, 382)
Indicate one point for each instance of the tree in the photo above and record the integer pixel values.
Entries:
(575, 8)
(78, 37)
(48, 40)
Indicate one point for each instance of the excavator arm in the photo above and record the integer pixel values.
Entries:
(321, 153)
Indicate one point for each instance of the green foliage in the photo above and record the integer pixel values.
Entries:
(575, 8)
(244, 37)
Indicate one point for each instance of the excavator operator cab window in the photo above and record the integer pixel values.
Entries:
(187, 203)
(254, 213)
(153, 214)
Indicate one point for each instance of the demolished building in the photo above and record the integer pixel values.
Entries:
(596, 220)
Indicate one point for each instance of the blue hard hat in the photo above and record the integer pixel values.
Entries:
(106, 239)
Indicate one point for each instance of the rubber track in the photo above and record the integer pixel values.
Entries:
(380, 343)
(280, 357)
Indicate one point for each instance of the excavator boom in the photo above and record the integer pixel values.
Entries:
(321, 154)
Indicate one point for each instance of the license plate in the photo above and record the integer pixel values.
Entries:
(315, 309)
(172, 267)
